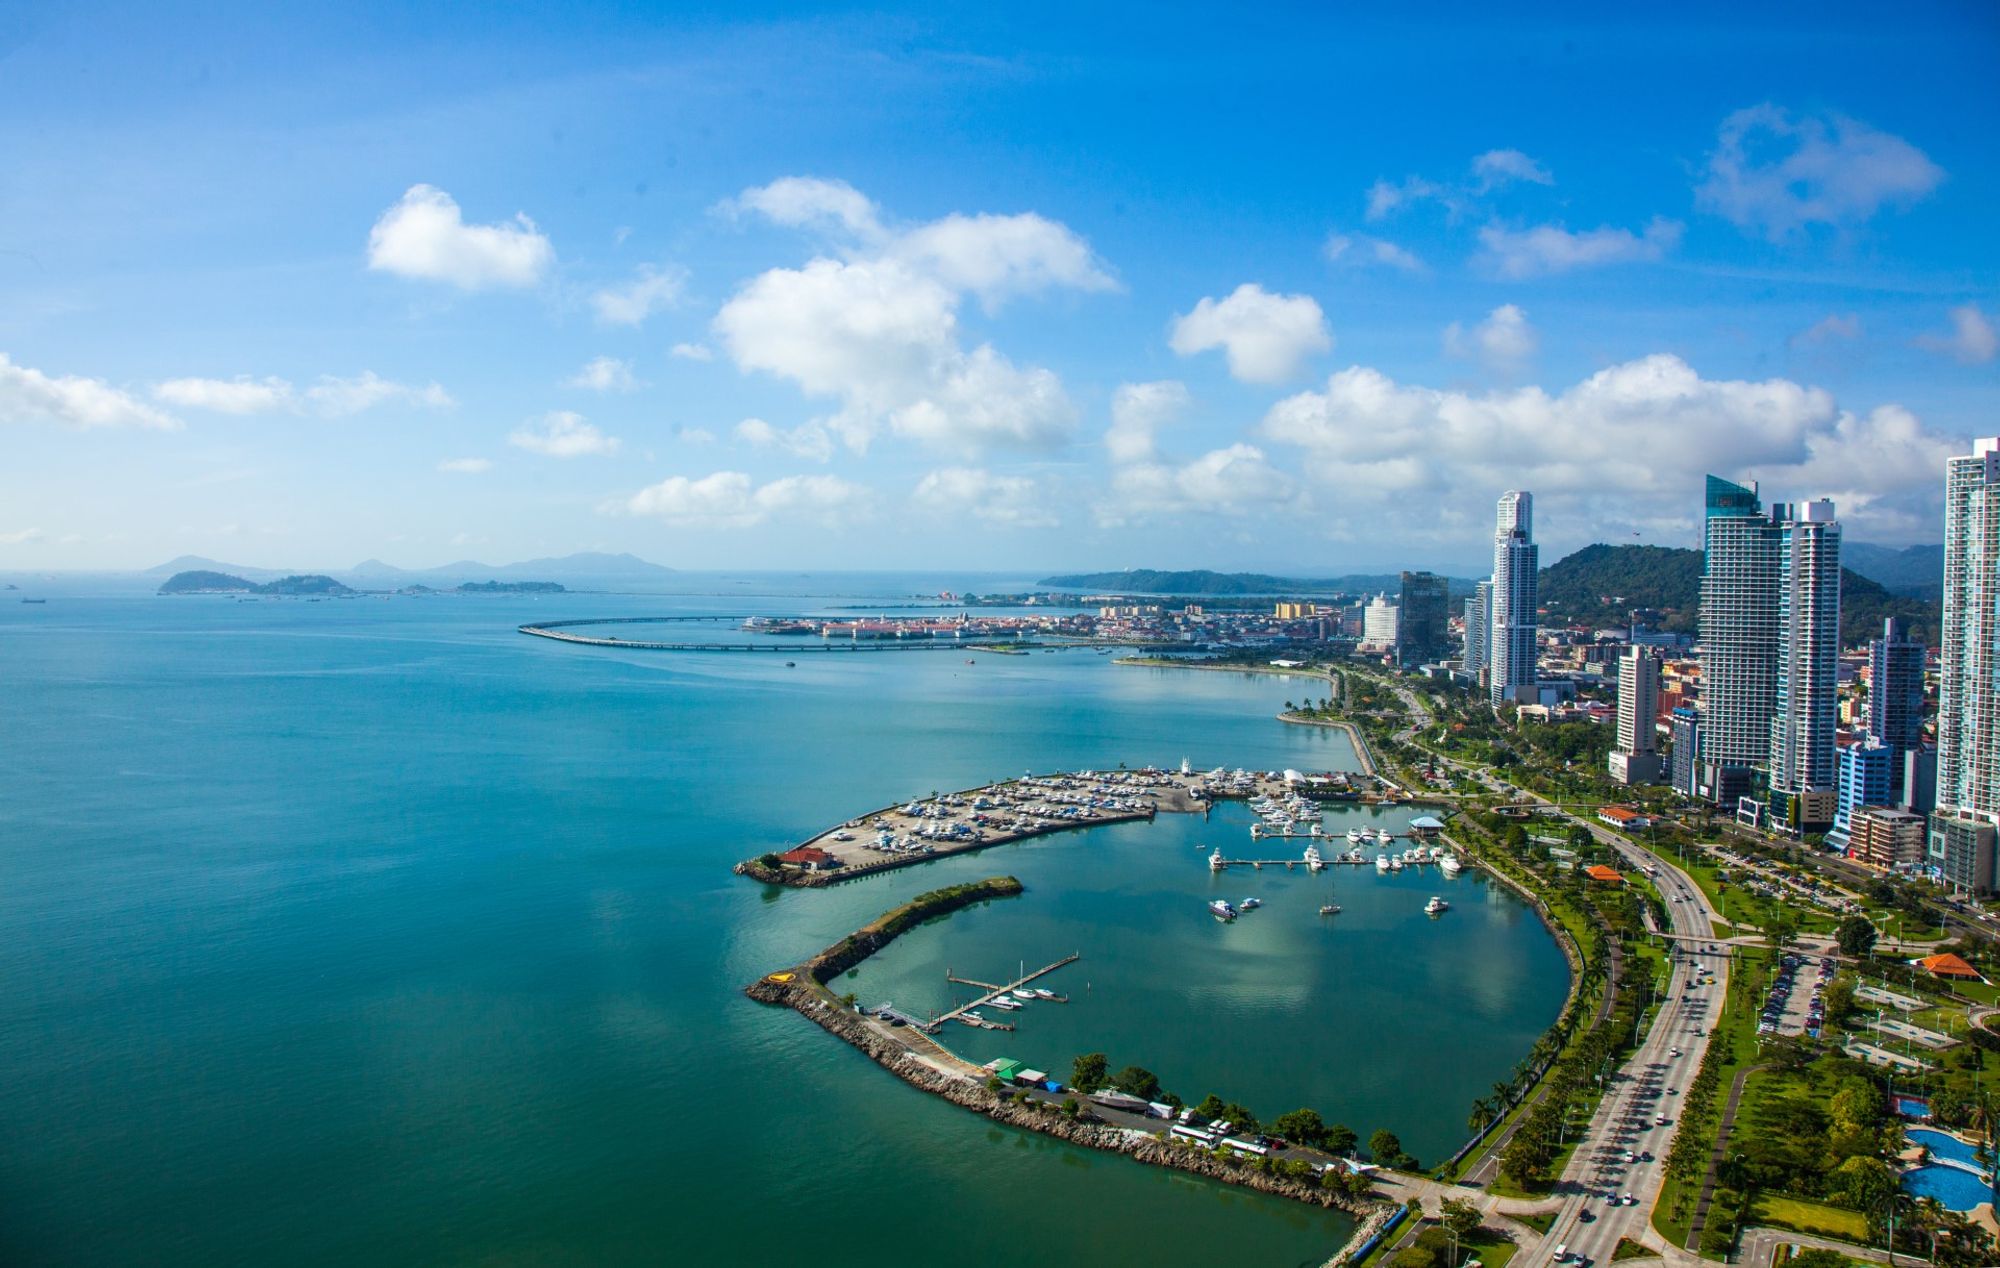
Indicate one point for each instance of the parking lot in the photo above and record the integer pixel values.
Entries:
(1793, 1005)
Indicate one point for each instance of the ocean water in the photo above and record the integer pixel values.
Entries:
(373, 931)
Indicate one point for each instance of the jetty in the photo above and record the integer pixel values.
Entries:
(995, 992)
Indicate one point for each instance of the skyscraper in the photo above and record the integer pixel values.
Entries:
(1896, 697)
(1770, 642)
(1636, 759)
(1424, 620)
(1805, 711)
(1478, 630)
(1863, 780)
(1968, 756)
(1511, 606)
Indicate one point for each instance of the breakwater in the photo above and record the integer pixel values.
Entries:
(925, 1065)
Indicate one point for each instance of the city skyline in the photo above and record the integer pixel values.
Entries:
(718, 293)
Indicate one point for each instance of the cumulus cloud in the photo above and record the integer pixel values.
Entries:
(729, 499)
(1359, 248)
(1502, 343)
(649, 292)
(603, 374)
(23, 537)
(809, 440)
(337, 397)
(562, 434)
(692, 352)
(1234, 480)
(1496, 168)
(240, 395)
(811, 202)
(1776, 173)
(424, 235)
(1265, 337)
(1828, 329)
(995, 257)
(1972, 339)
(1386, 197)
(1523, 253)
(1408, 458)
(1002, 500)
(466, 466)
(29, 396)
(1138, 411)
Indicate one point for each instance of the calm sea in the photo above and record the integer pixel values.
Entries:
(372, 931)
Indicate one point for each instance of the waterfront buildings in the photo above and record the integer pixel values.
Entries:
(1380, 622)
(1636, 758)
(1770, 643)
(1510, 667)
(1896, 697)
(1962, 831)
(1423, 619)
(1478, 631)
(1864, 780)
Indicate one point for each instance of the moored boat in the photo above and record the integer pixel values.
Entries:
(1331, 909)
(1222, 910)
(1436, 906)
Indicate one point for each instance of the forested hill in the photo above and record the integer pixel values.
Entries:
(1600, 585)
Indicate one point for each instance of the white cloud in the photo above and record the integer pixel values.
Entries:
(1777, 174)
(1266, 338)
(604, 374)
(337, 397)
(809, 440)
(692, 352)
(1359, 248)
(808, 201)
(728, 499)
(1827, 329)
(1502, 343)
(649, 292)
(1385, 198)
(29, 396)
(1003, 500)
(240, 395)
(694, 435)
(1625, 449)
(1138, 411)
(877, 328)
(466, 466)
(1972, 339)
(1496, 168)
(23, 537)
(1234, 480)
(425, 236)
(997, 256)
(1522, 253)
(562, 434)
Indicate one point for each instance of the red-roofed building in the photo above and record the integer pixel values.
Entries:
(1949, 965)
(1623, 817)
(809, 857)
(1599, 872)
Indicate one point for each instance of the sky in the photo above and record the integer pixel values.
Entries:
(1012, 287)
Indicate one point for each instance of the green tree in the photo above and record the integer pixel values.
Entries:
(1864, 1184)
(1855, 936)
(1210, 1107)
(1242, 1119)
(1340, 1139)
(1818, 1258)
(1137, 1080)
(1384, 1146)
(1087, 1072)
(1302, 1125)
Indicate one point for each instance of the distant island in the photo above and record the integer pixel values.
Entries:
(201, 581)
(511, 587)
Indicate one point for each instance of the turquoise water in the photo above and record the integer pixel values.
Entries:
(372, 931)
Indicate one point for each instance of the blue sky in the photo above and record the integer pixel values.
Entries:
(983, 287)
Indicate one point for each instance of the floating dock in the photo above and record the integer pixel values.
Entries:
(994, 992)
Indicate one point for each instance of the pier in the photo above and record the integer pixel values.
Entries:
(994, 992)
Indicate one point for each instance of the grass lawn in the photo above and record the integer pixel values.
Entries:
(1540, 1223)
(1809, 1217)
(1491, 1249)
(1629, 1249)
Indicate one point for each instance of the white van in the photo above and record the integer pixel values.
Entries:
(1562, 1254)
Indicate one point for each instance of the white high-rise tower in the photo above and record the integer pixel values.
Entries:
(1510, 663)
(1968, 759)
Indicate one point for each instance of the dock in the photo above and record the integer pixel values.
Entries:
(993, 992)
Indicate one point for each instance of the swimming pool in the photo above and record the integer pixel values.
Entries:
(1911, 1107)
(1943, 1145)
(1955, 1190)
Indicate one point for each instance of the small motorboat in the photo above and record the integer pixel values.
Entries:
(1331, 909)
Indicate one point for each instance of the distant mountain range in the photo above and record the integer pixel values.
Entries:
(591, 568)
(1911, 570)
(209, 581)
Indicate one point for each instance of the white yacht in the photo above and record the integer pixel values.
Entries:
(1436, 906)
(1215, 863)
(1449, 864)
(1354, 836)
(1381, 862)
(1313, 860)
